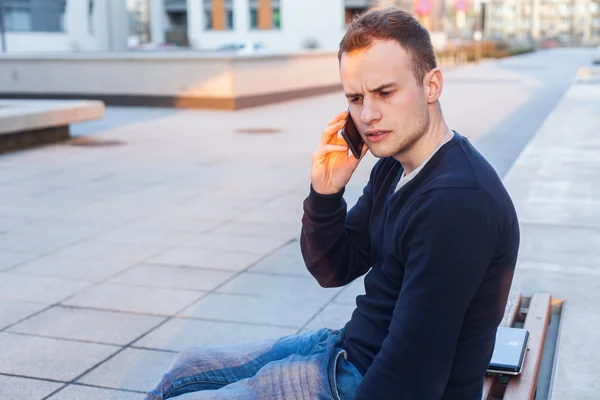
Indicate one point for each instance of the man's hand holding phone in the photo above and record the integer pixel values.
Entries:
(331, 165)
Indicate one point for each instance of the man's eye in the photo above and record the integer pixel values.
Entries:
(385, 94)
(355, 99)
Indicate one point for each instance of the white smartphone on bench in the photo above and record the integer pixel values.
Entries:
(509, 351)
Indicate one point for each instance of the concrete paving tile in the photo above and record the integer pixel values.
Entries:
(282, 263)
(289, 202)
(350, 291)
(76, 176)
(56, 223)
(333, 316)
(180, 333)
(8, 222)
(132, 369)
(280, 287)
(11, 259)
(253, 309)
(88, 325)
(238, 243)
(29, 208)
(113, 186)
(61, 266)
(165, 223)
(38, 289)
(135, 299)
(262, 229)
(12, 311)
(14, 388)
(201, 211)
(207, 200)
(102, 213)
(556, 244)
(551, 211)
(290, 249)
(70, 198)
(110, 252)
(165, 276)
(80, 392)
(54, 359)
(206, 258)
(144, 236)
(272, 215)
(37, 241)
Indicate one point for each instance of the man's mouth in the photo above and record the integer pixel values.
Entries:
(376, 135)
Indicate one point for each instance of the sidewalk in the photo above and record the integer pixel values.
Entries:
(113, 258)
(554, 184)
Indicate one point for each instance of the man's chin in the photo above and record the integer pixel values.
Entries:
(381, 151)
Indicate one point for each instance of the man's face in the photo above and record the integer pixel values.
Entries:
(389, 107)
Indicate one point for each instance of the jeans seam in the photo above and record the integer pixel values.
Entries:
(174, 387)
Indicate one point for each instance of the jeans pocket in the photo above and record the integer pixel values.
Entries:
(334, 381)
(345, 377)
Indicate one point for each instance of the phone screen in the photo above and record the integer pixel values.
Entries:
(352, 137)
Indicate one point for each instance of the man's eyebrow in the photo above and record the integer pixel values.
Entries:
(376, 90)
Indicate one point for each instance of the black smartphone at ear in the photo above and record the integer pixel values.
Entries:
(352, 137)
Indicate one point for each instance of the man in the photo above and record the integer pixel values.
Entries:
(435, 232)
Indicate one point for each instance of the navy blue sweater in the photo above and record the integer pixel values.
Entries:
(440, 255)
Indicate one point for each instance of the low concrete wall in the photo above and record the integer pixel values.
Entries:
(182, 79)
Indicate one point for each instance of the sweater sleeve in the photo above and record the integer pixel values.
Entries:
(335, 244)
(446, 247)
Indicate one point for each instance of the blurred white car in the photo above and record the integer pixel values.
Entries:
(243, 47)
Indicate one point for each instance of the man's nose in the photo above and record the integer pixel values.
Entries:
(370, 113)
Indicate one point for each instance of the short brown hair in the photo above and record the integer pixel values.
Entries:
(392, 24)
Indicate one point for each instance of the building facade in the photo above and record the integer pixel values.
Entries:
(571, 22)
(63, 25)
(281, 25)
(116, 25)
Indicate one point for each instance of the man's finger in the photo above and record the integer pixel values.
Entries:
(338, 118)
(355, 161)
(330, 148)
(330, 132)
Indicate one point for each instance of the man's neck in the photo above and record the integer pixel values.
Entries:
(424, 146)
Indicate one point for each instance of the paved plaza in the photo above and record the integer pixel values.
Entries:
(164, 228)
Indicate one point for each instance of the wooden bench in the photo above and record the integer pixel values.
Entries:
(536, 317)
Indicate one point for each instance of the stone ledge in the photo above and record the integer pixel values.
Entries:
(185, 101)
(29, 123)
(29, 115)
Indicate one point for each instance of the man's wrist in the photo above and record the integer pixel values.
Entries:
(323, 203)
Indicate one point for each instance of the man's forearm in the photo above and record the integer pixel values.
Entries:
(330, 255)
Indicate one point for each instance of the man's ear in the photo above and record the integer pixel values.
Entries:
(434, 82)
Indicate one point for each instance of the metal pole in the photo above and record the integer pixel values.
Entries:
(2, 26)
(479, 38)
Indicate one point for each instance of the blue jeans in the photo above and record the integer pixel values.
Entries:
(309, 366)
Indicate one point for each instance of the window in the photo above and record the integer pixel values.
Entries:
(275, 14)
(208, 15)
(139, 22)
(276, 18)
(34, 15)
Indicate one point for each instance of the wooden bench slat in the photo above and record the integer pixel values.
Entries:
(511, 310)
(536, 322)
(510, 314)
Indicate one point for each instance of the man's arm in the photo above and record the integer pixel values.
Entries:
(446, 248)
(335, 245)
